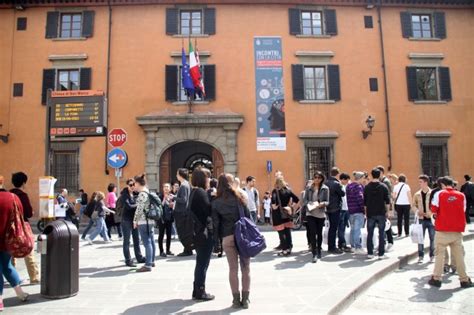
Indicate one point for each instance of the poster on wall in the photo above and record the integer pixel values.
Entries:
(270, 98)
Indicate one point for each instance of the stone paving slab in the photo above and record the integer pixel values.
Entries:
(279, 284)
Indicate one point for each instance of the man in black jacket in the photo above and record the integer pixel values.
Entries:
(334, 209)
(377, 203)
(468, 190)
(181, 200)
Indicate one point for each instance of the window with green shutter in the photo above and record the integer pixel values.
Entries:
(429, 84)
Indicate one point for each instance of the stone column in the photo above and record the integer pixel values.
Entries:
(151, 161)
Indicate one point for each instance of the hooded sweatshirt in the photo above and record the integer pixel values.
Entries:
(376, 196)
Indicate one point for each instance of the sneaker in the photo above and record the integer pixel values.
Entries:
(383, 257)
(389, 247)
(141, 260)
(432, 259)
(435, 283)
(169, 253)
(163, 255)
(144, 269)
(315, 259)
(88, 240)
(420, 260)
(359, 251)
(466, 284)
(370, 256)
(335, 251)
(130, 264)
(446, 268)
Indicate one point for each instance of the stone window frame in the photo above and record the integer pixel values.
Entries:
(435, 139)
(67, 146)
(325, 140)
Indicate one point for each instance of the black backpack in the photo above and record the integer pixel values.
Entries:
(90, 208)
(155, 211)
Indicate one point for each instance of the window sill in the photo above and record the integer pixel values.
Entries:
(313, 36)
(317, 102)
(430, 102)
(59, 39)
(180, 103)
(431, 39)
(192, 36)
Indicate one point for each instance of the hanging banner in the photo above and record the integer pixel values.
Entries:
(271, 132)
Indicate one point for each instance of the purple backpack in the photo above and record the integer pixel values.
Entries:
(250, 242)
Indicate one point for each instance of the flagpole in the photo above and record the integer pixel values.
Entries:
(190, 100)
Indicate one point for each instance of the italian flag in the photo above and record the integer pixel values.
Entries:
(195, 70)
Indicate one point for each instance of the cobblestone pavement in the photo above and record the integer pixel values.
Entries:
(279, 284)
(406, 290)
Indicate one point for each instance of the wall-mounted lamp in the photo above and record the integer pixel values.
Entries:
(19, 7)
(370, 122)
(4, 138)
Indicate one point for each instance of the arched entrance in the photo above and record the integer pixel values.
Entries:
(189, 154)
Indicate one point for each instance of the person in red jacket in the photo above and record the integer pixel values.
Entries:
(448, 208)
(6, 268)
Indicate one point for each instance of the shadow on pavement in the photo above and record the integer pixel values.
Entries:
(105, 272)
(358, 262)
(176, 306)
(429, 294)
(32, 299)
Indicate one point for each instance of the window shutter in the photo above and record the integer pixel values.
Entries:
(85, 78)
(295, 23)
(334, 83)
(210, 21)
(412, 84)
(171, 21)
(87, 23)
(444, 84)
(368, 21)
(210, 82)
(405, 18)
(331, 22)
(297, 78)
(52, 19)
(17, 89)
(171, 83)
(21, 23)
(439, 24)
(49, 78)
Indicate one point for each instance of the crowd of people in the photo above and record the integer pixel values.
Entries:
(329, 207)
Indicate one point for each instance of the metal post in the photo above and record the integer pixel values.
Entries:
(47, 158)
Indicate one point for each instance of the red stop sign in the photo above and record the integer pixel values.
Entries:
(117, 137)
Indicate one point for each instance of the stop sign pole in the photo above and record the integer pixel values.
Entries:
(117, 137)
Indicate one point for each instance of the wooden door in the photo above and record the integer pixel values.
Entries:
(165, 168)
(218, 163)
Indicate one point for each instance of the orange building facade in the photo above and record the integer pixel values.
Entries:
(413, 75)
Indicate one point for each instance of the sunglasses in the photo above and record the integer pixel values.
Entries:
(318, 177)
(131, 185)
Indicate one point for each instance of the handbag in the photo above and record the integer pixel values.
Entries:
(364, 235)
(250, 242)
(416, 231)
(286, 212)
(19, 240)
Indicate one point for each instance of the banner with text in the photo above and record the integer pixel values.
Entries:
(271, 132)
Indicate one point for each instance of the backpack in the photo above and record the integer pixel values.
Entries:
(19, 240)
(119, 208)
(250, 242)
(155, 211)
(90, 208)
(191, 231)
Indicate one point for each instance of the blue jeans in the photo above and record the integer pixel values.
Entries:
(334, 218)
(148, 238)
(128, 230)
(203, 257)
(380, 221)
(253, 216)
(81, 212)
(427, 225)
(357, 222)
(100, 228)
(89, 226)
(343, 222)
(8, 271)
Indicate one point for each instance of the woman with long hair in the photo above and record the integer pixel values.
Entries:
(100, 227)
(316, 200)
(225, 213)
(145, 227)
(201, 207)
(282, 197)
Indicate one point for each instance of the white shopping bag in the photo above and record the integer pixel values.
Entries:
(325, 232)
(416, 231)
(364, 234)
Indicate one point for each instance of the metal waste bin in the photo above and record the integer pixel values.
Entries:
(59, 248)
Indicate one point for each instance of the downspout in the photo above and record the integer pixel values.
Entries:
(387, 113)
(107, 86)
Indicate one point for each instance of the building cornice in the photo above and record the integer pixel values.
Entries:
(22, 4)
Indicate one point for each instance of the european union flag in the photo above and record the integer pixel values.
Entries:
(186, 80)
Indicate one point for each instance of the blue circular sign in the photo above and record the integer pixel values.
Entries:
(117, 158)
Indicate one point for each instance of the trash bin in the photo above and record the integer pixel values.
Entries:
(59, 248)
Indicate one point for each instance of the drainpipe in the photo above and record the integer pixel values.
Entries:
(107, 86)
(387, 113)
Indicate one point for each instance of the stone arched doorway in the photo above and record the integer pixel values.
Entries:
(165, 129)
(189, 154)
